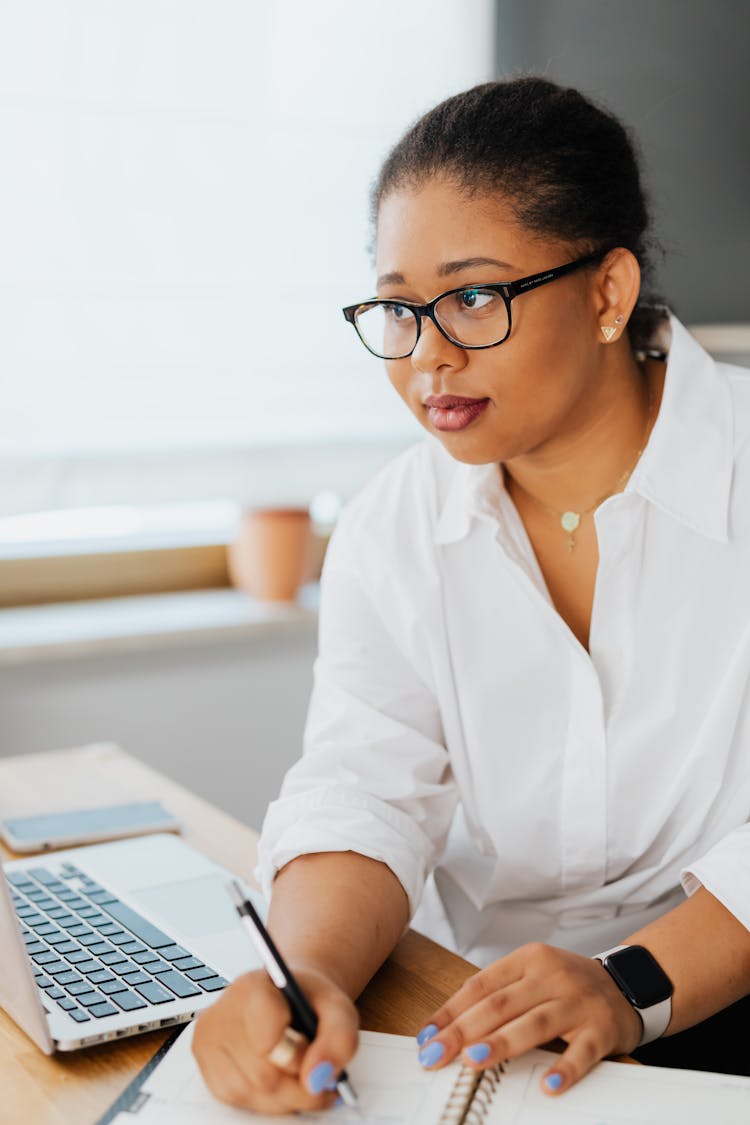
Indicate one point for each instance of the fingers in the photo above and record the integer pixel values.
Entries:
(239, 1039)
(288, 1052)
(583, 1053)
(525, 1000)
(336, 1040)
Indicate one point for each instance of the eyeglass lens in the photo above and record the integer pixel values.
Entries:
(470, 317)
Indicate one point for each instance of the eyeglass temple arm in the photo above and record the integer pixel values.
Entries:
(524, 284)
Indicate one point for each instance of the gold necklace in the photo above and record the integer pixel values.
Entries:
(570, 519)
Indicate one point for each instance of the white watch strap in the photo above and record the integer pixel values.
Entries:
(655, 1019)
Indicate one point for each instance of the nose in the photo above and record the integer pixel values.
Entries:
(434, 351)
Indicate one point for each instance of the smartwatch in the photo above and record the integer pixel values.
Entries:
(644, 984)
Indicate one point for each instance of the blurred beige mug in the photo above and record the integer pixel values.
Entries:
(272, 554)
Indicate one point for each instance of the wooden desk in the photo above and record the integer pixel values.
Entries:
(76, 1088)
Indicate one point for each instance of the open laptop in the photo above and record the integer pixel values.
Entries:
(109, 940)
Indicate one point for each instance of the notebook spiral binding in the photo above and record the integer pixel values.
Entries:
(471, 1096)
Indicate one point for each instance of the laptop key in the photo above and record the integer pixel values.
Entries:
(145, 931)
(79, 988)
(52, 968)
(42, 874)
(154, 992)
(55, 993)
(78, 1015)
(43, 928)
(128, 1001)
(66, 947)
(173, 953)
(66, 1004)
(86, 967)
(57, 939)
(88, 912)
(77, 957)
(89, 999)
(112, 958)
(101, 898)
(156, 967)
(123, 967)
(68, 978)
(110, 986)
(136, 978)
(178, 984)
(120, 938)
(104, 1009)
(67, 921)
(100, 947)
(45, 956)
(43, 982)
(18, 879)
(188, 963)
(133, 947)
(88, 939)
(101, 976)
(213, 984)
(107, 927)
(203, 973)
(34, 948)
(145, 956)
(79, 930)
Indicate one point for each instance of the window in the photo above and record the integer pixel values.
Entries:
(183, 212)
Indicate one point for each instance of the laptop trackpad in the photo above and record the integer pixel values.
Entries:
(194, 907)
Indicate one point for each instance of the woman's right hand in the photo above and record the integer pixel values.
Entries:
(234, 1037)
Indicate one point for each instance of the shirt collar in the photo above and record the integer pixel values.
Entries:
(686, 468)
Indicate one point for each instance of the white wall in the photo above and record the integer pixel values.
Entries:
(223, 717)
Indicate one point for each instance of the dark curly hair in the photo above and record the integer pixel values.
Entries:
(568, 168)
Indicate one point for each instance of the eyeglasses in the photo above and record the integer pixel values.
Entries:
(473, 317)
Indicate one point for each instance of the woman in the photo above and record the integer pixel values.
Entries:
(530, 720)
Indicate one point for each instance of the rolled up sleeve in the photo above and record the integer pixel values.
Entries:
(725, 871)
(374, 776)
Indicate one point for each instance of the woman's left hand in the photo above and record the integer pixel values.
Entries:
(535, 994)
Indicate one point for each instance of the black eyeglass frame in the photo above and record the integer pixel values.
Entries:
(508, 290)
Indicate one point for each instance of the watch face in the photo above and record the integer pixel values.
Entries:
(639, 976)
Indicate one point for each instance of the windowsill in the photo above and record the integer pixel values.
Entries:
(72, 629)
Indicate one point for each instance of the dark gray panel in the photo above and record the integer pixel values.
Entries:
(677, 72)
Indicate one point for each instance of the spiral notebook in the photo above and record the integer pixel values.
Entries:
(394, 1090)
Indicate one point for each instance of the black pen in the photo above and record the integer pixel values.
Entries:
(304, 1018)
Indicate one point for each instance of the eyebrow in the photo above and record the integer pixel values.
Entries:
(446, 269)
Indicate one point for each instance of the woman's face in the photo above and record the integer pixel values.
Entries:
(539, 388)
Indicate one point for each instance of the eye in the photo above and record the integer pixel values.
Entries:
(475, 298)
(398, 312)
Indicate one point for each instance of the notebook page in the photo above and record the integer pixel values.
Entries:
(393, 1089)
(616, 1094)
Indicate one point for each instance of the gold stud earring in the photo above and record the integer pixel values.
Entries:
(608, 331)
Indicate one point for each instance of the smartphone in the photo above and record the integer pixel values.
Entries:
(85, 826)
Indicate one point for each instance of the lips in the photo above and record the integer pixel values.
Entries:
(450, 413)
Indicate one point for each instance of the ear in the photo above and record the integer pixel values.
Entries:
(618, 283)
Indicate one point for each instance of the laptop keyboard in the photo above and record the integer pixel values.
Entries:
(92, 954)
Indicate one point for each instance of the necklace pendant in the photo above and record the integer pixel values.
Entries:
(569, 522)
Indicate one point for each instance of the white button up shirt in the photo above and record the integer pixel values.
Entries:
(520, 787)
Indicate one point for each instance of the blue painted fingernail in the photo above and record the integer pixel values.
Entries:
(321, 1077)
(426, 1033)
(478, 1052)
(431, 1054)
(553, 1081)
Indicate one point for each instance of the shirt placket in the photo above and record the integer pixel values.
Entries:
(583, 812)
